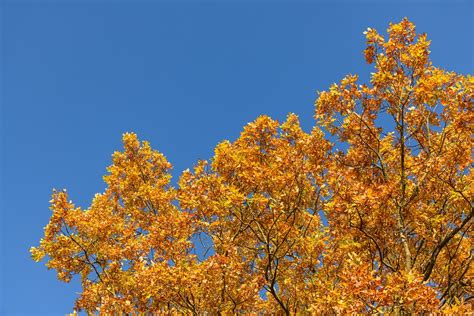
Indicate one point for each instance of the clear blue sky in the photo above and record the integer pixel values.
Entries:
(185, 75)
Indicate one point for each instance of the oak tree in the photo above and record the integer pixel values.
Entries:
(369, 212)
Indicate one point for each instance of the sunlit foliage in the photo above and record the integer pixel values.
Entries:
(370, 212)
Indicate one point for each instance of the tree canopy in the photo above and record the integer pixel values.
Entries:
(370, 212)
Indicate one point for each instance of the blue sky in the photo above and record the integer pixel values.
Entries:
(185, 75)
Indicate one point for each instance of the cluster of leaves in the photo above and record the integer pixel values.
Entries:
(244, 233)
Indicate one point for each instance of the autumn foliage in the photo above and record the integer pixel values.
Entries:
(377, 220)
